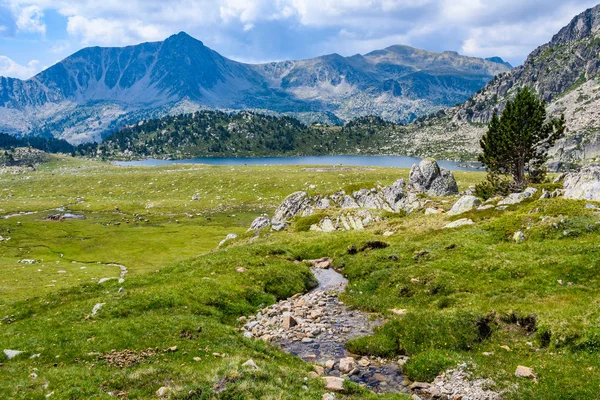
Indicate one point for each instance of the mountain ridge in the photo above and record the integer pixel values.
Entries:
(565, 72)
(98, 89)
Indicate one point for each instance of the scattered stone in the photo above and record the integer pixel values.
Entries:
(250, 364)
(505, 348)
(329, 364)
(172, 349)
(96, 308)
(10, 354)
(433, 211)
(105, 280)
(319, 370)
(126, 358)
(322, 263)
(485, 207)
(288, 320)
(334, 384)
(241, 270)
(163, 391)
(229, 237)
(398, 311)
(464, 204)
(27, 261)
(347, 364)
(196, 197)
(525, 372)
(459, 223)
(388, 233)
(501, 208)
(328, 396)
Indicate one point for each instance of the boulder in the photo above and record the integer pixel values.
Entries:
(278, 226)
(583, 185)
(347, 365)
(292, 206)
(459, 223)
(464, 204)
(259, 223)
(229, 237)
(394, 193)
(427, 177)
(334, 384)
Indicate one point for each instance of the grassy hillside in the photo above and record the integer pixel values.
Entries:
(467, 291)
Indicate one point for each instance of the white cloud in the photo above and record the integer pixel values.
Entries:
(12, 69)
(112, 32)
(509, 28)
(29, 19)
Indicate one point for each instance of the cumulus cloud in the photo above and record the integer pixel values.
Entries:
(509, 28)
(13, 69)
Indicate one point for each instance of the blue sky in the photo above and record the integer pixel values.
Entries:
(37, 34)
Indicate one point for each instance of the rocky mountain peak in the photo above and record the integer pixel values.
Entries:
(584, 25)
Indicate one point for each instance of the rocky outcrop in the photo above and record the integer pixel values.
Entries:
(351, 211)
(427, 177)
(293, 205)
(583, 185)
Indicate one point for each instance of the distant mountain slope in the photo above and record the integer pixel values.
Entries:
(565, 72)
(96, 90)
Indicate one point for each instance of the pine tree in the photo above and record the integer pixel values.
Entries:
(517, 143)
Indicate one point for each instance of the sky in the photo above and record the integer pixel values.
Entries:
(36, 34)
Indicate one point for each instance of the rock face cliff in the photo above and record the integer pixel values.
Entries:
(565, 72)
(96, 90)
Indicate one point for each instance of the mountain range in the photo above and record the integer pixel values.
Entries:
(565, 72)
(97, 90)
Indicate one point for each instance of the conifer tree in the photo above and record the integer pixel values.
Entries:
(517, 143)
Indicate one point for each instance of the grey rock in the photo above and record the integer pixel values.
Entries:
(394, 193)
(292, 206)
(259, 223)
(10, 354)
(279, 226)
(366, 198)
(323, 204)
(584, 184)
(459, 223)
(229, 237)
(334, 384)
(427, 177)
(516, 198)
(464, 204)
(97, 308)
(348, 202)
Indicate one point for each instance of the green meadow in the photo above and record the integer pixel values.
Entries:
(472, 294)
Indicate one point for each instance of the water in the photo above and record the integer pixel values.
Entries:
(355, 161)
